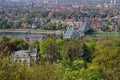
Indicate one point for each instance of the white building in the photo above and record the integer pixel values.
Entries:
(25, 57)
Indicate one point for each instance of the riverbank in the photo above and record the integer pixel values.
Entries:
(34, 31)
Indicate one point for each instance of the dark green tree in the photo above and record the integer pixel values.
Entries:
(20, 43)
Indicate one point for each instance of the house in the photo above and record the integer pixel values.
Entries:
(25, 57)
(34, 26)
(97, 24)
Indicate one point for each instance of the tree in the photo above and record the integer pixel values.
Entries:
(71, 50)
(86, 55)
(4, 39)
(92, 73)
(10, 71)
(75, 50)
(72, 72)
(20, 43)
(49, 26)
(59, 26)
(48, 49)
(35, 44)
(90, 43)
(107, 23)
(6, 49)
(107, 57)
(79, 71)
(59, 45)
(47, 71)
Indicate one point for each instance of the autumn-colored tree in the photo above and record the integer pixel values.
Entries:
(6, 49)
(108, 57)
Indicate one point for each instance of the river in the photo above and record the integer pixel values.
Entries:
(32, 36)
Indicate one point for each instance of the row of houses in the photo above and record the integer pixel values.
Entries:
(98, 24)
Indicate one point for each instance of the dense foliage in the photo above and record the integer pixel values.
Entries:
(17, 42)
(87, 59)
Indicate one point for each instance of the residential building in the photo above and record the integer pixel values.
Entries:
(25, 57)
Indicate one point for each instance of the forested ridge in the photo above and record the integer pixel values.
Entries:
(85, 59)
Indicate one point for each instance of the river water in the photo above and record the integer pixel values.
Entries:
(32, 36)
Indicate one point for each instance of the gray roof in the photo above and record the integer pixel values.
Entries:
(21, 54)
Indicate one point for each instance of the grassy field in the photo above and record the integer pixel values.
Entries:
(106, 33)
(97, 35)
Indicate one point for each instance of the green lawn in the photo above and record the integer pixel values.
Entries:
(95, 35)
(106, 33)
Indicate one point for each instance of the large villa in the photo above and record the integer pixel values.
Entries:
(25, 57)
